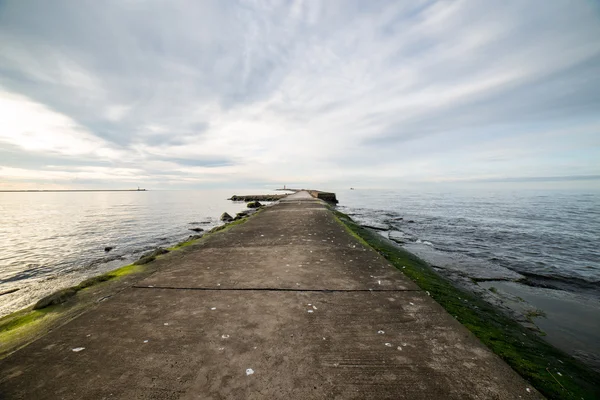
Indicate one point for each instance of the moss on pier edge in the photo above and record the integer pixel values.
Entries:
(554, 373)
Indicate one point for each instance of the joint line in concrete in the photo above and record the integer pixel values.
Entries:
(274, 289)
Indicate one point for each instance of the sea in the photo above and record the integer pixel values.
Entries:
(531, 252)
(541, 247)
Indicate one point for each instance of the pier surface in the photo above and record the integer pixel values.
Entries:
(287, 305)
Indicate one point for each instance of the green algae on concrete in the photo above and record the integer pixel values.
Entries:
(551, 371)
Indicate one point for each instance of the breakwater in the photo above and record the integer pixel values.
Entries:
(287, 289)
(257, 197)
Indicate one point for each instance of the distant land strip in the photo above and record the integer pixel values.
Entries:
(74, 190)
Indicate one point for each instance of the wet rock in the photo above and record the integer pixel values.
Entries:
(196, 229)
(241, 215)
(254, 204)
(144, 260)
(108, 248)
(226, 217)
(193, 237)
(55, 298)
(150, 256)
(94, 281)
(158, 252)
(377, 227)
(410, 221)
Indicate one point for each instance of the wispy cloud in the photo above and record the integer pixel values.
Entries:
(184, 93)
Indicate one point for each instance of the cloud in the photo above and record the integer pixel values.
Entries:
(183, 93)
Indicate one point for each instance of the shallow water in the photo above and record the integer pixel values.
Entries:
(52, 240)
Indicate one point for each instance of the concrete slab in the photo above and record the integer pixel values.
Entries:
(355, 345)
(300, 267)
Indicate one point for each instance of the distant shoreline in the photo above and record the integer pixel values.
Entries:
(74, 190)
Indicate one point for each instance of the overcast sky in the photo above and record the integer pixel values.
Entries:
(178, 94)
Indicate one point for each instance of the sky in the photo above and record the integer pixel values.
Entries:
(202, 94)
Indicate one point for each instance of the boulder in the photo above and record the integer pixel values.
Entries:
(241, 215)
(55, 298)
(108, 248)
(226, 217)
(157, 252)
(254, 204)
(144, 260)
(196, 229)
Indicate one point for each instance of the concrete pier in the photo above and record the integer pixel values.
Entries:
(288, 305)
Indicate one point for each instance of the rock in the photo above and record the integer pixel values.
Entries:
(151, 254)
(226, 217)
(196, 229)
(241, 215)
(144, 260)
(55, 298)
(193, 237)
(254, 204)
(377, 228)
(94, 281)
(410, 221)
(108, 248)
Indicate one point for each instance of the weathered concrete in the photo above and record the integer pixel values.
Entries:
(291, 296)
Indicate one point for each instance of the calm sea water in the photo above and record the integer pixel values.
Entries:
(551, 236)
(53, 240)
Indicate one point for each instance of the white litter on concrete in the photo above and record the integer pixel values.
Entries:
(249, 371)
(388, 344)
(310, 311)
(145, 341)
(411, 303)
(166, 324)
(78, 349)
(314, 308)
(224, 336)
(399, 348)
(380, 332)
(213, 308)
